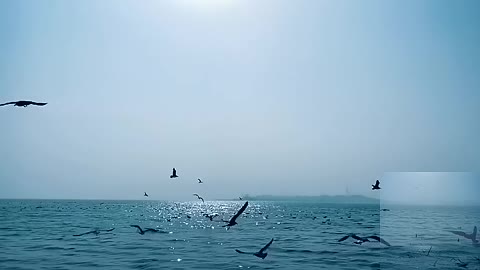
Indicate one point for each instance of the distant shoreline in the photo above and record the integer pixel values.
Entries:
(337, 199)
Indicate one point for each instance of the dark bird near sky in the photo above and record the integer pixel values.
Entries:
(96, 232)
(23, 103)
(140, 231)
(198, 196)
(376, 186)
(174, 174)
(240, 198)
(232, 221)
(199, 181)
(261, 253)
(361, 240)
(146, 195)
(472, 236)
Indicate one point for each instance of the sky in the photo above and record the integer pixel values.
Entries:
(276, 97)
(430, 188)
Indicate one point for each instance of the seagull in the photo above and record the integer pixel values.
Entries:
(146, 195)
(472, 236)
(198, 196)
(23, 103)
(140, 231)
(210, 216)
(240, 198)
(232, 221)
(361, 240)
(96, 232)
(199, 181)
(174, 174)
(261, 253)
(376, 186)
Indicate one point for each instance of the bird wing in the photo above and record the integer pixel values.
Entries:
(239, 251)
(343, 238)
(377, 183)
(108, 230)
(239, 212)
(459, 233)
(38, 103)
(174, 172)
(8, 103)
(266, 246)
(379, 239)
(354, 236)
(201, 199)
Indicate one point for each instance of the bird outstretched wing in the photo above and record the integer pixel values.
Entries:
(266, 246)
(239, 251)
(239, 212)
(8, 103)
(379, 239)
(377, 183)
(343, 238)
(459, 233)
(38, 103)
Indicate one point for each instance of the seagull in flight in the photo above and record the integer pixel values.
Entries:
(174, 174)
(240, 198)
(140, 231)
(261, 253)
(199, 181)
(146, 195)
(198, 196)
(376, 186)
(472, 236)
(232, 221)
(96, 232)
(24, 103)
(361, 240)
(210, 216)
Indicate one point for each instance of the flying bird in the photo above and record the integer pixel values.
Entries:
(361, 240)
(210, 216)
(472, 236)
(199, 181)
(240, 198)
(174, 174)
(146, 195)
(376, 186)
(24, 103)
(261, 253)
(140, 231)
(198, 196)
(96, 232)
(232, 221)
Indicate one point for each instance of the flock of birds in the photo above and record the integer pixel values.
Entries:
(233, 221)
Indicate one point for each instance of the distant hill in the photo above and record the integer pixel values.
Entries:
(351, 199)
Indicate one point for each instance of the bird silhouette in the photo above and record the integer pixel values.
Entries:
(361, 240)
(376, 186)
(24, 103)
(199, 181)
(472, 236)
(233, 221)
(198, 196)
(174, 174)
(140, 231)
(96, 232)
(146, 195)
(261, 253)
(210, 216)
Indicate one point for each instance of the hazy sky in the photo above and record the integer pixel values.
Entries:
(431, 188)
(262, 97)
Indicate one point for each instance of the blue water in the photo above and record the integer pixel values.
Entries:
(38, 234)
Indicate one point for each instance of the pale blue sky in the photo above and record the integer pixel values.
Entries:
(261, 97)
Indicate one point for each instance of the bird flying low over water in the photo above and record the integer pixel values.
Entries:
(174, 173)
(24, 103)
(199, 181)
(376, 186)
(472, 236)
(261, 253)
(233, 221)
(146, 195)
(198, 196)
(96, 232)
(361, 240)
(210, 216)
(140, 231)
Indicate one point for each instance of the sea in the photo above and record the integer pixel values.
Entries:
(40, 234)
